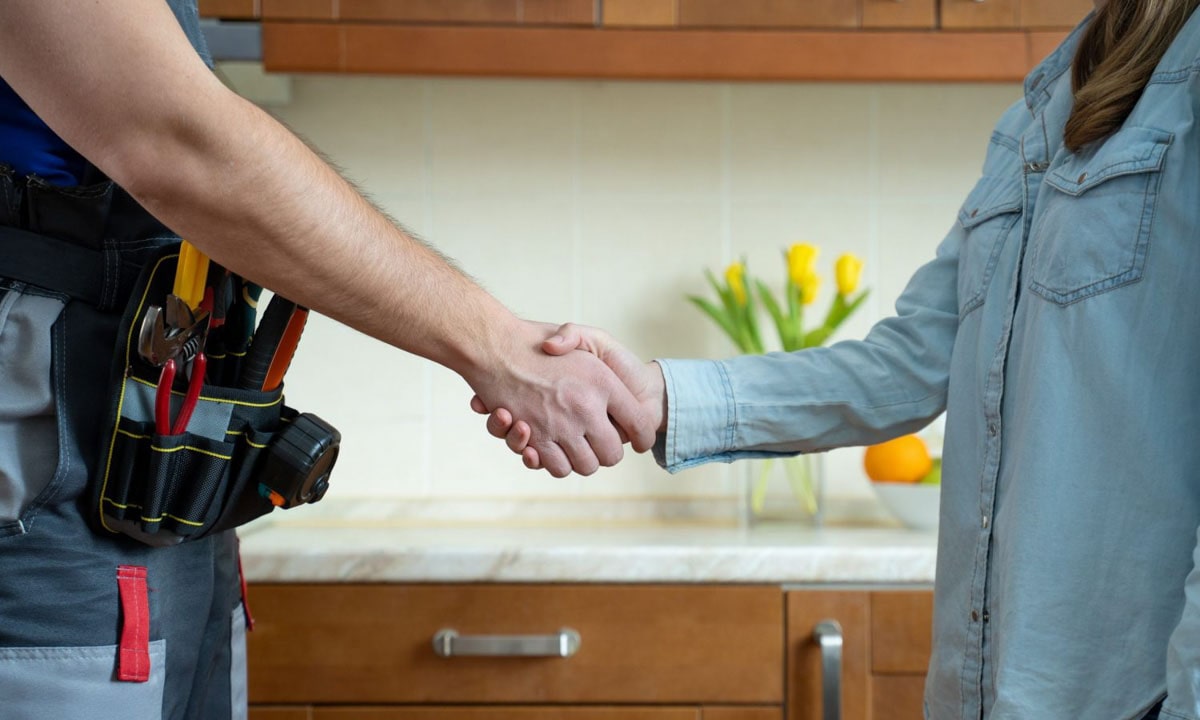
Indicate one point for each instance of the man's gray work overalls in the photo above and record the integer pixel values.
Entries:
(79, 611)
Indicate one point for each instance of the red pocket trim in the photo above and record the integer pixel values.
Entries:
(133, 661)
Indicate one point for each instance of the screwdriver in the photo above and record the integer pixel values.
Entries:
(191, 274)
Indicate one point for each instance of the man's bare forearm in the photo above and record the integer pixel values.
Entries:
(233, 181)
(316, 240)
(119, 81)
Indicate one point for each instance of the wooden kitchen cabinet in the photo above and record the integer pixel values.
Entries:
(756, 40)
(647, 652)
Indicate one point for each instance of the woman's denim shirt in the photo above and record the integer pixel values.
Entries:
(1059, 327)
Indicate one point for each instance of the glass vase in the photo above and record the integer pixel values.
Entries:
(787, 490)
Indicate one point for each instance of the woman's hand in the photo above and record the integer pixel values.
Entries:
(644, 381)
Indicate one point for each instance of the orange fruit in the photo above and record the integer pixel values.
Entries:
(903, 460)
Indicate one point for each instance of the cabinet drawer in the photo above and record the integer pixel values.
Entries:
(279, 713)
(505, 713)
(901, 632)
(541, 713)
(638, 644)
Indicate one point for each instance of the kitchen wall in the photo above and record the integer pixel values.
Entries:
(602, 203)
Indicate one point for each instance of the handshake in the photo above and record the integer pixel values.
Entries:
(568, 398)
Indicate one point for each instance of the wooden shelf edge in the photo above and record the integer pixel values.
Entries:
(393, 49)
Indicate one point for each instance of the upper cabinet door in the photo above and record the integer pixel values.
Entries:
(905, 14)
(1012, 14)
(1054, 13)
(768, 14)
(981, 14)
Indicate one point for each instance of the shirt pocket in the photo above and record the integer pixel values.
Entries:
(1094, 217)
(987, 217)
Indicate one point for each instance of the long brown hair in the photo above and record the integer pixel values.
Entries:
(1116, 56)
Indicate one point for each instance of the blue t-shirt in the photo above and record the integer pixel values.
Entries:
(32, 148)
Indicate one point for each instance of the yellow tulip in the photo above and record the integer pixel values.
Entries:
(802, 262)
(848, 269)
(735, 276)
(809, 288)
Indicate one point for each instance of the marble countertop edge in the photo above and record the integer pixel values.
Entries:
(267, 561)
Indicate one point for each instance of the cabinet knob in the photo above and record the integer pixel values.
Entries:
(828, 635)
(563, 644)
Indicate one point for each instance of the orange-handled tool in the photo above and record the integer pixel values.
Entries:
(273, 345)
(286, 349)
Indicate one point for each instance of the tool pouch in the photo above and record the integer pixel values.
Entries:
(166, 489)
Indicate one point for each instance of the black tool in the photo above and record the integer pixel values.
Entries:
(266, 341)
(239, 327)
(299, 461)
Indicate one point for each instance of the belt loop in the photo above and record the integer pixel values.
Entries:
(10, 197)
(112, 275)
(133, 660)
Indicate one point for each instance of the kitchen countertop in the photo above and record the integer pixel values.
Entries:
(325, 548)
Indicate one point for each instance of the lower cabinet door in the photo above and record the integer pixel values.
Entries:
(280, 713)
(849, 672)
(897, 697)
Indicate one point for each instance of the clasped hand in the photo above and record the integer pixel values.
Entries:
(587, 397)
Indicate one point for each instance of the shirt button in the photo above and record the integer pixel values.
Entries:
(986, 616)
(985, 522)
(992, 429)
(974, 616)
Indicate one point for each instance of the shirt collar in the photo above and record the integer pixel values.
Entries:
(1042, 77)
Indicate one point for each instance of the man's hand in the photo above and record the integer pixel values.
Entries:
(565, 405)
(643, 380)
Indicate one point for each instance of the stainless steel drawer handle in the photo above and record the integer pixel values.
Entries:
(828, 634)
(563, 644)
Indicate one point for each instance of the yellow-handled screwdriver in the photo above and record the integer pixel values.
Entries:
(191, 274)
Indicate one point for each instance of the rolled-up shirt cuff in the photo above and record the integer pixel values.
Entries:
(700, 414)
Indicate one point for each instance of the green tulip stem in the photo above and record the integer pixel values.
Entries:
(758, 496)
(800, 477)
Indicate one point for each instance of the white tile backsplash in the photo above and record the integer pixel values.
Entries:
(500, 137)
(932, 137)
(602, 203)
(650, 139)
(373, 130)
(800, 142)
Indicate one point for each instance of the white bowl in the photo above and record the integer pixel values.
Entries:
(914, 505)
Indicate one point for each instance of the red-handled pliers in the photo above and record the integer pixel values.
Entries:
(162, 397)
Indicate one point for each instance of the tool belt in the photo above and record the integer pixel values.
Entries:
(193, 439)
